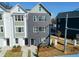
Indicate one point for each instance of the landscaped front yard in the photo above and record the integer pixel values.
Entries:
(13, 54)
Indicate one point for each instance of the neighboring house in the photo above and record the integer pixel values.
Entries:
(19, 26)
(73, 22)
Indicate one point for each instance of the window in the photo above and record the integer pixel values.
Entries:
(43, 40)
(18, 17)
(39, 8)
(35, 29)
(1, 29)
(16, 40)
(19, 29)
(18, 9)
(34, 18)
(22, 17)
(42, 18)
(42, 29)
(39, 29)
(0, 16)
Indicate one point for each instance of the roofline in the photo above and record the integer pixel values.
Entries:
(19, 6)
(43, 7)
(3, 8)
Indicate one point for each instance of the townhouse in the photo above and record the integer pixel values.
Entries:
(25, 27)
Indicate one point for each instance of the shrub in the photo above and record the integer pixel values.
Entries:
(18, 46)
(14, 46)
(29, 53)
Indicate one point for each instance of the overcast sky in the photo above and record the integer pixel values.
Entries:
(53, 7)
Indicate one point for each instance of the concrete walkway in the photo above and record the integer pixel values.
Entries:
(25, 51)
(33, 50)
(3, 51)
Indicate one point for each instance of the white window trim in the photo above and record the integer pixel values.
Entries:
(34, 29)
(42, 18)
(44, 29)
(38, 29)
(35, 18)
(17, 27)
(20, 18)
(43, 40)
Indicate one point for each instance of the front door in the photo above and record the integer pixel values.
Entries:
(7, 42)
(32, 41)
(26, 41)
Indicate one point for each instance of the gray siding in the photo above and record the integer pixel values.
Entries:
(31, 24)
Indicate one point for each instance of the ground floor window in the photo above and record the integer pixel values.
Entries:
(16, 40)
(32, 41)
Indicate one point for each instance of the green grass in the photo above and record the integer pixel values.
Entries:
(13, 54)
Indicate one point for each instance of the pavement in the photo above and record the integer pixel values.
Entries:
(3, 51)
(25, 51)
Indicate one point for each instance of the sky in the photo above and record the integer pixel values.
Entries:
(53, 7)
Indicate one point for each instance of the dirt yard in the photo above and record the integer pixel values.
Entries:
(58, 50)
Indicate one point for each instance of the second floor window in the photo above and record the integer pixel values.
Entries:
(34, 18)
(42, 18)
(19, 29)
(39, 18)
(18, 17)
